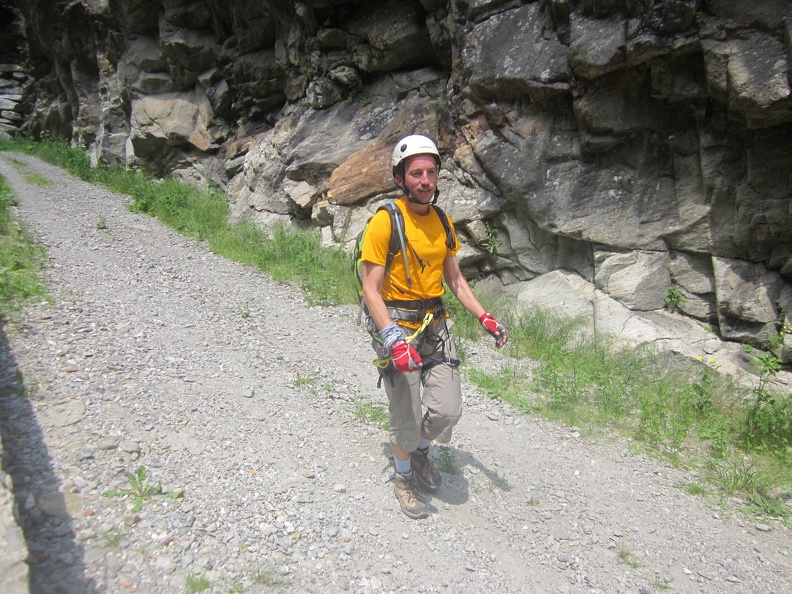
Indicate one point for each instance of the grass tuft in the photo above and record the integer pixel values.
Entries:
(21, 258)
(373, 412)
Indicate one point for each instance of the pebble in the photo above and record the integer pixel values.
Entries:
(129, 446)
(288, 481)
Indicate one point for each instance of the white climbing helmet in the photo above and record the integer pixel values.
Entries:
(413, 145)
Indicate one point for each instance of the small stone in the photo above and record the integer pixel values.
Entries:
(763, 527)
(129, 446)
(65, 414)
(59, 505)
(109, 443)
(560, 533)
(165, 565)
(338, 488)
(84, 454)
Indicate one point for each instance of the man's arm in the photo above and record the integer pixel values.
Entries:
(373, 275)
(462, 291)
(460, 287)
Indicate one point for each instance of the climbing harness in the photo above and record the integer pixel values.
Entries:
(383, 362)
(433, 314)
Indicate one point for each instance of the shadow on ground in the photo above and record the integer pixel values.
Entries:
(55, 559)
(456, 487)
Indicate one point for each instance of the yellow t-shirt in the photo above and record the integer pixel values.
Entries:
(427, 238)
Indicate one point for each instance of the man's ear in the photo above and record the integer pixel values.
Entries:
(399, 181)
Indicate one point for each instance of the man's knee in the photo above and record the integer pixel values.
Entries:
(440, 423)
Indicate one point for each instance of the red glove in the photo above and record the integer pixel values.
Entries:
(405, 358)
(497, 330)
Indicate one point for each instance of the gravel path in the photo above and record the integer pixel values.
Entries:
(228, 386)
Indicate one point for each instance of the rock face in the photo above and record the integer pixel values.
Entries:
(12, 84)
(636, 145)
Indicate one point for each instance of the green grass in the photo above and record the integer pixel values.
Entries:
(694, 489)
(31, 177)
(373, 412)
(301, 381)
(628, 557)
(266, 576)
(21, 259)
(447, 463)
(197, 583)
(288, 255)
(685, 413)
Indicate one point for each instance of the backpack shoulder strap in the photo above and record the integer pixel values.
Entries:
(451, 241)
(397, 233)
(398, 239)
(394, 246)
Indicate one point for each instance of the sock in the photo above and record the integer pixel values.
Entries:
(424, 443)
(402, 466)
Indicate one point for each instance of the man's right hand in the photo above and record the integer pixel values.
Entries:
(495, 328)
(405, 358)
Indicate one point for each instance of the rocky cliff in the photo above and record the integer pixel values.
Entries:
(596, 152)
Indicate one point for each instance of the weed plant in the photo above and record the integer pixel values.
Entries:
(627, 557)
(197, 583)
(141, 490)
(373, 412)
(447, 462)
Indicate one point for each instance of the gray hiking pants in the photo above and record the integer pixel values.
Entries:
(428, 400)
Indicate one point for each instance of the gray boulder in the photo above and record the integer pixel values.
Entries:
(747, 301)
(529, 64)
(636, 279)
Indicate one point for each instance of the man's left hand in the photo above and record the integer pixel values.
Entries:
(495, 328)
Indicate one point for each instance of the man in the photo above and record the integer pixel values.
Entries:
(398, 304)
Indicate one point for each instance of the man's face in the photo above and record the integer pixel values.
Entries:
(420, 177)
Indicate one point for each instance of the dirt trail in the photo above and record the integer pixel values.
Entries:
(227, 385)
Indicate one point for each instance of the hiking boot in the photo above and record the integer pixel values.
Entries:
(410, 500)
(425, 471)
